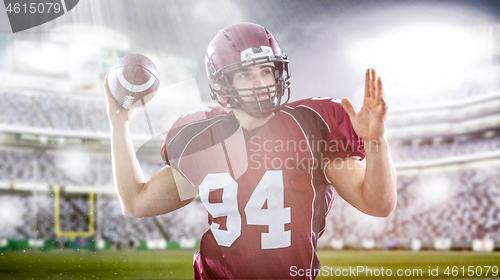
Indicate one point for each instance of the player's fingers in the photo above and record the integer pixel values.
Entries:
(109, 97)
(105, 84)
(383, 107)
(110, 100)
(143, 103)
(367, 83)
(380, 91)
(348, 108)
(373, 84)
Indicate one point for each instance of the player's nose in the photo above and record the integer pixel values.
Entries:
(258, 81)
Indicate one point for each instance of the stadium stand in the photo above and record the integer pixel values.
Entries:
(49, 168)
(450, 148)
(32, 216)
(52, 112)
(468, 209)
(18, 109)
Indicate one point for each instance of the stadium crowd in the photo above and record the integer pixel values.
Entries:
(445, 149)
(461, 206)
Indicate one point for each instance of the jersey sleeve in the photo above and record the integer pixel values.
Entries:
(188, 127)
(178, 135)
(342, 141)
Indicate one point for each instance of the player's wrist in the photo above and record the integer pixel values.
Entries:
(376, 146)
(119, 124)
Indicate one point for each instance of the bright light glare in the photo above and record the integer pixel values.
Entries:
(208, 12)
(435, 190)
(74, 163)
(422, 58)
(11, 213)
(47, 57)
(90, 35)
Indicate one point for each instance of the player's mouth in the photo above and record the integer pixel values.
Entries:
(262, 97)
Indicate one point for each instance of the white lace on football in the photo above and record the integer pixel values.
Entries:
(127, 103)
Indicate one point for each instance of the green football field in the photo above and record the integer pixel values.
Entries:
(132, 264)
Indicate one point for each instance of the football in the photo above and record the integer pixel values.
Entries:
(133, 80)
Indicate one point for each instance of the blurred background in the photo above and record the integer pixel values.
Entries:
(439, 61)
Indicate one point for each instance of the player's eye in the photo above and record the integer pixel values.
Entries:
(267, 71)
(243, 75)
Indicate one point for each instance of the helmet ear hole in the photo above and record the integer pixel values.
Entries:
(213, 95)
(283, 76)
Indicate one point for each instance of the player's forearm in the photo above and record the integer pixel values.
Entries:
(379, 190)
(127, 171)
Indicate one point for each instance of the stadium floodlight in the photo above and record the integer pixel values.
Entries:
(74, 163)
(434, 190)
(45, 58)
(72, 234)
(207, 12)
(90, 35)
(425, 57)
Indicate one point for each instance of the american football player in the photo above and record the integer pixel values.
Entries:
(266, 169)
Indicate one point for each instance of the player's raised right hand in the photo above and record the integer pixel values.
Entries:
(116, 114)
(369, 122)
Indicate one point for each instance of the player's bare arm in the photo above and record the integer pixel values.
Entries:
(371, 189)
(139, 197)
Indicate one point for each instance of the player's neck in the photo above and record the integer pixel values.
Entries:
(248, 122)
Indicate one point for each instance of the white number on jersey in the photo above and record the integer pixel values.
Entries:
(228, 208)
(270, 190)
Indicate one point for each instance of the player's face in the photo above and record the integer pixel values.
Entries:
(253, 77)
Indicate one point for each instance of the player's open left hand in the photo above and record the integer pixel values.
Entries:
(116, 113)
(369, 122)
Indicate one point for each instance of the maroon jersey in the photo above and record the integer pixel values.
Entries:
(265, 190)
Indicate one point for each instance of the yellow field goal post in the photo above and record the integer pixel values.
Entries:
(72, 234)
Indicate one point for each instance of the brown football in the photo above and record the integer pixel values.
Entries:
(133, 80)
